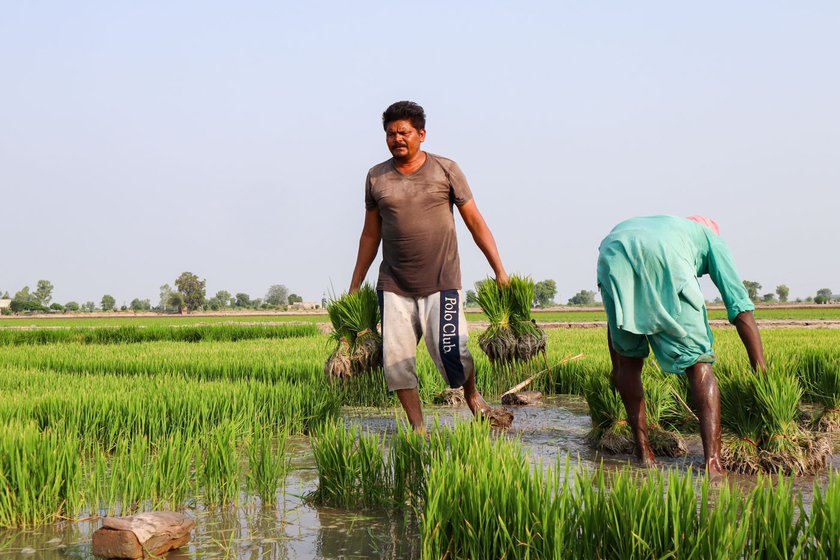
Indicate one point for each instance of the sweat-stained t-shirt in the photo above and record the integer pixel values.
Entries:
(649, 267)
(419, 246)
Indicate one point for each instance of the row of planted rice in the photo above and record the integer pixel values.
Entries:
(180, 420)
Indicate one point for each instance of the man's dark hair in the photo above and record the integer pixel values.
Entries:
(408, 110)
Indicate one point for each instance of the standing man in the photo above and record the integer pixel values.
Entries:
(408, 201)
(647, 274)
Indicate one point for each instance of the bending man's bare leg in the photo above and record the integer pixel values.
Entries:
(705, 393)
(627, 376)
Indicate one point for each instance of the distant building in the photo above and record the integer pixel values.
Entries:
(305, 306)
(5, 303)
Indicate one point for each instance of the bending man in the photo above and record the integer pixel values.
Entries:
(408, 201)
(647, 273)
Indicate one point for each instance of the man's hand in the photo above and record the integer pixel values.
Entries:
(502, 279)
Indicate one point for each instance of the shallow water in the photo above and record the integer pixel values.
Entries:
(291, 529)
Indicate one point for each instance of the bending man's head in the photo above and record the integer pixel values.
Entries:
(405, 110)
(708, 222)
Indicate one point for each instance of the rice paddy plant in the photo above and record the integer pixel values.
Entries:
(268, 463)
(776, 531)
(350, 467)
(218, 468)
(823, 521)
(136, 334)
(512, 334)
(39, 474)
(819, 372)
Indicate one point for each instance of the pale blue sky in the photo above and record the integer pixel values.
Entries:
(140, 140)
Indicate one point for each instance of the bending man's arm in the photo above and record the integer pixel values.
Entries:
(748, 331)
(483, 239)
(368, 247)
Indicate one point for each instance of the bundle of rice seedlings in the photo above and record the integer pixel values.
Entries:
(610, 430)
(512, 334)
(354, 319)
(659, 402)
(741, 423)
(777, 395)
(498, 340)
(820, 375)
(758, 413)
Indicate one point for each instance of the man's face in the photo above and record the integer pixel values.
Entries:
(403, 139)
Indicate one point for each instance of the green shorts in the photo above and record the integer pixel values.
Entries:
(674, 354)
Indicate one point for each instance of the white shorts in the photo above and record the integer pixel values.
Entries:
(439, 318)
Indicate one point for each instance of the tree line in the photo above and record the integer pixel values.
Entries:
(189, 293)
(824, 295)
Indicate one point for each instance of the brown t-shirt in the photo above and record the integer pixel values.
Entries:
(419, 246)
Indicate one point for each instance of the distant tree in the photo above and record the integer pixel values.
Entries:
(242, 300)
(472, 298)
(769, 298)
(294, 298)
(23, 295)
(6, 295)
(752, 289)
(138, 304)
(823, 296)
(165, 292)
(89, 306)
(583, 297)
(71, 306)
(176, 301)
(809, 299)
(258, 302)
(43, 292)
(224, 298)
(57, 307)
(544, 293)
(108, 302)
(782, 291)
(278, 294)
(192, 289)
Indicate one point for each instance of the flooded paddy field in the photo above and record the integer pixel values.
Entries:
(293, 528)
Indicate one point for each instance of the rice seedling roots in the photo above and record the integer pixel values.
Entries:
(666, 443)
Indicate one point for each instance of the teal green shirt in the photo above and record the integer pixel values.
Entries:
(649, 266)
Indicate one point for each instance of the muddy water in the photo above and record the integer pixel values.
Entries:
(291, 529)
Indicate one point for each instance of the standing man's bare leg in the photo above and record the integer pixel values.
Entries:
(705, 392)
(474, 399)
(410, 400)
(627, 376)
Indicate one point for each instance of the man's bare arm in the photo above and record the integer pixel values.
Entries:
(368, 247)
(483, 239)
(748, 331)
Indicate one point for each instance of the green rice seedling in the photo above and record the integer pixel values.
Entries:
(610, 430)
(680, 417)
(268, 463)
(819, 371)
(409, 457)
(350, 468)
(138, 334)
(719, 534)
(219, 465)
(659, 402)
(775, 529)
(823, 520)
(39, 475)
